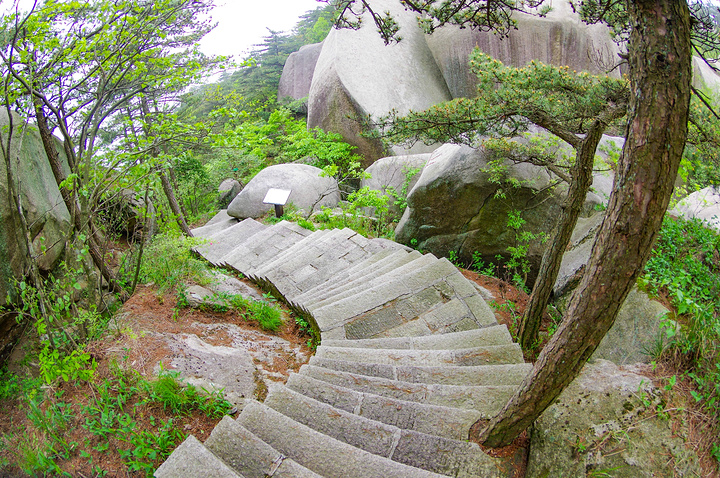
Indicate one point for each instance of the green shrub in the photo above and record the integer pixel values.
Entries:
(685, 265)
(168, 261)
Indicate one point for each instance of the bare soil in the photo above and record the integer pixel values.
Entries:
(136, 341)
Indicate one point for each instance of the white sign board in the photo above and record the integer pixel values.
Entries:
(277, 196)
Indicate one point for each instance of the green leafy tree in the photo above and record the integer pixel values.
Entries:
(71, 66)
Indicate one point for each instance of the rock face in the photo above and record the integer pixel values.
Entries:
(354, 74)
(559, 39)
(310, 191)
(43, 206)
(358, 75)
(455, 207)
(606, 424)
(636, 329)
(298, 72)
(395, 174)
(44, 210)
(227, 191)
(703, 205)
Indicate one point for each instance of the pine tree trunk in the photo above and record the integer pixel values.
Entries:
(582, 178)
(660, 74)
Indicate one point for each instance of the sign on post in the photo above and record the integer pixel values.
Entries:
(277, 197)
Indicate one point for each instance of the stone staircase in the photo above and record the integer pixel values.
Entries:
(411, 358)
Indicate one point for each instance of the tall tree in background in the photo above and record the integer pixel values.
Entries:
(659, 54)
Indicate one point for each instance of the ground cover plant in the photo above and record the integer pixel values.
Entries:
(685, 270)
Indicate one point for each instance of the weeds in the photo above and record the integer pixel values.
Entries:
(168, 260)
(685, 267)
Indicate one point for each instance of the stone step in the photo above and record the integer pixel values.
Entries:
(248, 455)
(490, 355)
(429, 452)
(264, 246)
(192, 458)
(318, 264)
(488, 400)
(221, 242)
(359, 274)
(319, 452)
(391, 304)
(394, 272)
(316, 238)
(448, 375)
(220, 221)
(457, 315)
(493, 335)
(448, 422)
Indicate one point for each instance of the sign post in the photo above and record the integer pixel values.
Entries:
(277, 197)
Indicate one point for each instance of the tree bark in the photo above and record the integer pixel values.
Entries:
(582, 178)
(174, 206)
(660, 57)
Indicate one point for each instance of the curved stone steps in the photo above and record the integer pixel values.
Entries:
(220, 242)
(489, 355)
(318, 452)
(263, 246)
(486, 399)
(429, 452)
(412, 357)
(443, 421)
(192, 458)
(250, 456)
(492, 335)
(512, 374)
(373, 267)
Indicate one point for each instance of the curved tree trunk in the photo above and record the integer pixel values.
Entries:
(174, 206)
(552, 258)
(660, 74)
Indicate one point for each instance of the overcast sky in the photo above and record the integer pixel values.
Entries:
(243, 23)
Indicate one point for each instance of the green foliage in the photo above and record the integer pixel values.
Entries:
(114, 413)
(268, 316)
(686, 266)
(9, 385)
(168, 261)
(365, 212)
(478, 265)
(518, 265)
(400, 197)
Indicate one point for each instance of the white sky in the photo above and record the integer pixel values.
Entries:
(244, 23)
(241, 23)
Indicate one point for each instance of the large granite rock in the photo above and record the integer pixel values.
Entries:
(559, 39)
(43, 206)
(703, 205)
(44, 209)
(358, 75)
(395, 176)
(310, 191)
(298, 72)
(227, 191)
(455, 207)
(606, 424)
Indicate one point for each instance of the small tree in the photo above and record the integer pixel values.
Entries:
(575, 107)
